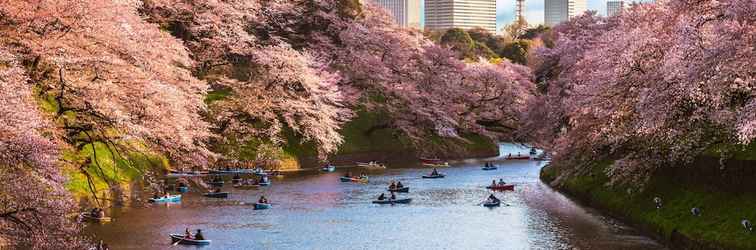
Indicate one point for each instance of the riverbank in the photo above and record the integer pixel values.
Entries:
(725, 196)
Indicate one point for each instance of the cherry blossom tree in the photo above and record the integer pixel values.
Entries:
(664, 82)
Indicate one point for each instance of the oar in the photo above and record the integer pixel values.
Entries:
(177, 242)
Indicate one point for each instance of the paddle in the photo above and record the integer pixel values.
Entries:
(177, 242)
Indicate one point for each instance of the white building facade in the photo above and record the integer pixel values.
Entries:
(406, 12)
(614, 7)
(464, 14)
(557, 11)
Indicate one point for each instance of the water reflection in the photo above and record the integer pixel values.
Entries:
(317, 211)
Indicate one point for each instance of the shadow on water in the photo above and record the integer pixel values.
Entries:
(317, 211)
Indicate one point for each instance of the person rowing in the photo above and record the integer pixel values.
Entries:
(382, 197)
(493, 183)
(399, 185)
(392, 185)
(198, 235)
(492, 199)
(435, 172)
(263, 200)
(501, 182)
(187, 234)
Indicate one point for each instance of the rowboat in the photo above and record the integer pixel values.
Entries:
(491, 167)
(261, 206)
(246, 186)
(390, 201)
(495, 203)
(86, 216)
(517, 157)
(501, 187)
(181, 240)
(352, 179)
(183, 189)
(434, 176)
(170, 198)
(372, 164)
(399, 190)
(216, 195)
(329, 168)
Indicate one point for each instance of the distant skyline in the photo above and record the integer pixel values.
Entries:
(505, 11)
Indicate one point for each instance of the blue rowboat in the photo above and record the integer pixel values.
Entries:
(434, 176)
(216, 195)
(492, 204)
(170, 198)
(389, 201)
(181, 240)
(182, 189)
(261, 206)
(492, 167)
(346, 179)
(329, 168)
(399, 190)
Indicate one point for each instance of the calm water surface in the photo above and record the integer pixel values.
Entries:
(317, 211)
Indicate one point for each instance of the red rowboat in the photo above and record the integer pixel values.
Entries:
(505, 187)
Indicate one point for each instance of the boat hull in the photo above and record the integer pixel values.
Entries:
(399, 190)
(261, 206)
(174, 198)
(87, 217)
(491, 168)
(181, 240)
(397, 201)
(433, 176)
(492, 204)
(507, 187)
(216, 195)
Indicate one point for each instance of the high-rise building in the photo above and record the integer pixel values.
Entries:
(465, 14)
(406, 12)
(557, 11)
(614, 7)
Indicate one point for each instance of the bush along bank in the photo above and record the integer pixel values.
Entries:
(724, 194)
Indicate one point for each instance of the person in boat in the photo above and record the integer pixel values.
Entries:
(198, 235)
(399, 185)
(393, 196)
(362, 175)
(263, 200)
(393, 185)
(382, 197)
(501, 182)
(187, 234)
(492, 199)
(435, 172)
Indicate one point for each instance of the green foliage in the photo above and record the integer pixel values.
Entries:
(516, 51)
(216, 95)
(719, 223)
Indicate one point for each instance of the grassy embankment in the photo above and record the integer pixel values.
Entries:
(357, 140)
(105, 166)
(717, 228)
